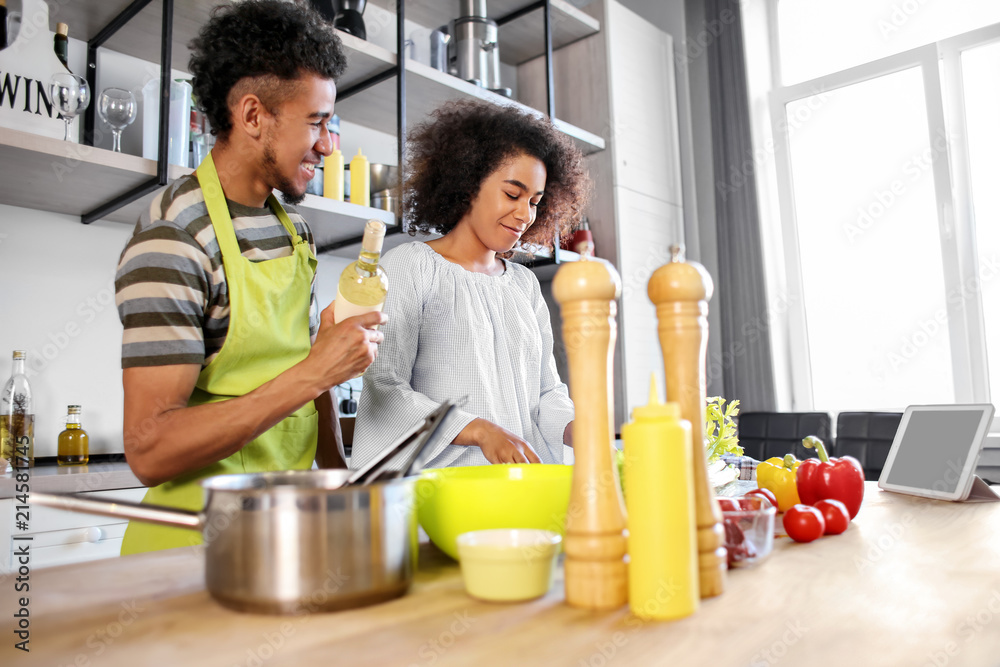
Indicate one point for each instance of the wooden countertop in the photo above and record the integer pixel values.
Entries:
(912, 582)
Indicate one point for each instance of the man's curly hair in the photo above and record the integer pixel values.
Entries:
(266, 42)
(450, 156)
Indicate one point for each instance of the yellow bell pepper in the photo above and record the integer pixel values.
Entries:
(777, 475)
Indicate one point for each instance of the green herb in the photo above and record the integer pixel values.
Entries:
(720, 429)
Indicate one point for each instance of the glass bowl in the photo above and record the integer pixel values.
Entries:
(748, 523)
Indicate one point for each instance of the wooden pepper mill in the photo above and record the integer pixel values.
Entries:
(681, 290)
(596, 574)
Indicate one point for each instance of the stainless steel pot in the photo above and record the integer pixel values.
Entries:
(387, 201)
(382, 177)
(291, 542)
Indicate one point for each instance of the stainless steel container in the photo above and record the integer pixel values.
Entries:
(387, 201)
(291, 542)
(474, 54)
(382, 177)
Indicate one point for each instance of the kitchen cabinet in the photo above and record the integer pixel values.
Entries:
(60, 538)
(69, 178)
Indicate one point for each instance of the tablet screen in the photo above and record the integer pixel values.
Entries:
(934, 449)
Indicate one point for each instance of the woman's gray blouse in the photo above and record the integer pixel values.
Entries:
(483, 342)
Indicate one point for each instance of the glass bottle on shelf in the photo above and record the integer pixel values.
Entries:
(3, 24)
(17, 418)
(61, 44)
(74, 443)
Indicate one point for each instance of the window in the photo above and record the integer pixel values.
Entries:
(982, 102)
(885, 172)
(817, 38)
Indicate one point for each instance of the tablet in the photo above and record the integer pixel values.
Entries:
(936, 449)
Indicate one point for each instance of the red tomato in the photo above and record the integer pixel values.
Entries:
(728, 504)
(803, 523)
(764, 493)
(835, 515)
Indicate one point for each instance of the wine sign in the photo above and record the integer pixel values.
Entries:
(26, 66)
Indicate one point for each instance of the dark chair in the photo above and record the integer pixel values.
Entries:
(867, 436)
(766, 434)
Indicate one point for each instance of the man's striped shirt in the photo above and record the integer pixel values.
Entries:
(171, 287)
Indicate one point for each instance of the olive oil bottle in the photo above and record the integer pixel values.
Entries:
(17, 419)
(74, 444)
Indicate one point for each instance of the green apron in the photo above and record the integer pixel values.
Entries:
(268, 334)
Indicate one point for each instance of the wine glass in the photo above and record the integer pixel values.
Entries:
(70, 94)
(118, 108)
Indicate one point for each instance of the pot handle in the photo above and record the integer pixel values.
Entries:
(164, 516)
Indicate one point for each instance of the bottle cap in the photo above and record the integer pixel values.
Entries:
(655, 409)
(19, 354)
(74, 409)
(374, 235)
(62, 29)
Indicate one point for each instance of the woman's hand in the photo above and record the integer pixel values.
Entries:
(498, 444)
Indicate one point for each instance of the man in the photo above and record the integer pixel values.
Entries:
(224, 370)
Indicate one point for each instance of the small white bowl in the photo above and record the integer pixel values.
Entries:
(508, 564)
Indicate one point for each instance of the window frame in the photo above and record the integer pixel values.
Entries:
(941, 69)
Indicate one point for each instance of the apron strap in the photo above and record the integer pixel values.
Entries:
(279, 211)
(218, 211)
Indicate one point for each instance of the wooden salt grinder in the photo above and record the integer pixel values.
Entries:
(681, 291)
(596, 575)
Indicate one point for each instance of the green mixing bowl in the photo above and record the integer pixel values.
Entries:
(452, 501)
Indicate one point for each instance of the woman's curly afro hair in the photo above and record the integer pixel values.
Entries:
(259, 38)
(450, 156)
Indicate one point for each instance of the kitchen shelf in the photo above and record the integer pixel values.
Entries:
(544, 263)
(63, 177)
(141, 37)
(520, 39)
(393, 237)
(334, 221)
(106, 175)
(427, 89)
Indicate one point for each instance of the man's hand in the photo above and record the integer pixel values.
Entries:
(343, 351)
(498, 444)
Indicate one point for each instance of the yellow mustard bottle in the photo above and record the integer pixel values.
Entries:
(659, 497)
(360, 180)
(333, 175)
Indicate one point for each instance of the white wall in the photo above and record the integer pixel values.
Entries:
(57, 286)
(57, 282)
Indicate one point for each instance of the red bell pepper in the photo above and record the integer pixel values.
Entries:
(824, 478)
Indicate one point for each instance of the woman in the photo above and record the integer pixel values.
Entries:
(465, 324)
